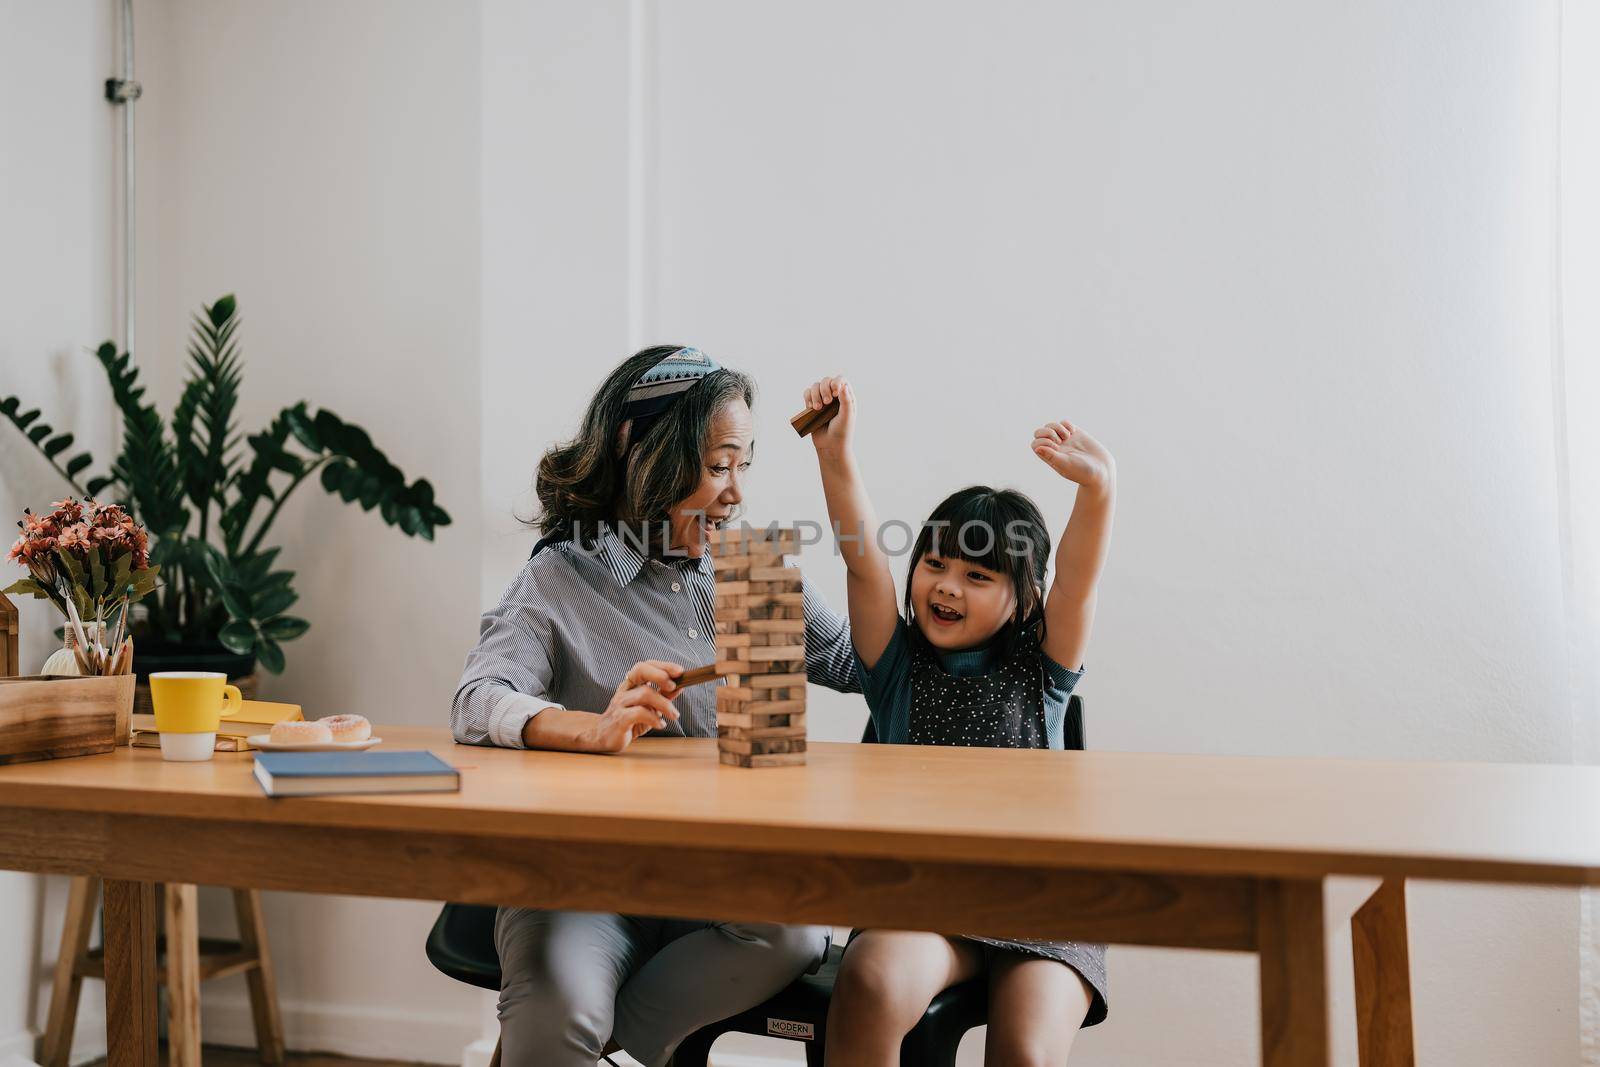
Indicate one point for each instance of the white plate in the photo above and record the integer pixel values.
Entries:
(265, 743)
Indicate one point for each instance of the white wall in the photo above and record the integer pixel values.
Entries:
(56, 212)
(1292, 262)
(321, 162)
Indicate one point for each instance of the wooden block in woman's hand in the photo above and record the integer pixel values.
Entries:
(698, 675)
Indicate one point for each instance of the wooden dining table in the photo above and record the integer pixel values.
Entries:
(1194, 852)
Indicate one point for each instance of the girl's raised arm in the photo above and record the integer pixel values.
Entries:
(873, 612)
(1069, 606)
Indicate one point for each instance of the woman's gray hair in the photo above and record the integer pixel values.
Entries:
(588, 482)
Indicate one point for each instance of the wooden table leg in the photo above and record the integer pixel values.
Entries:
(1291, 941)
(183, 974)
(130, 943)
(1383, 978)
(76, 926)
(263, 983)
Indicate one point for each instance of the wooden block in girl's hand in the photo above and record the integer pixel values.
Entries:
(812, 419)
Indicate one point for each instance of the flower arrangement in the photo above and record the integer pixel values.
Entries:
(92, 561)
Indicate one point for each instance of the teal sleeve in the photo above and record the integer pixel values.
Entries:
(1059, 682)
(887, 687)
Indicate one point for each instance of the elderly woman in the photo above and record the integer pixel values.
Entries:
(580, 656)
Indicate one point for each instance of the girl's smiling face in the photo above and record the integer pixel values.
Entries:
(960, 605)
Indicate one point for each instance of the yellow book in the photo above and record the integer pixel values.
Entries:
(255, 717)
(151, 739)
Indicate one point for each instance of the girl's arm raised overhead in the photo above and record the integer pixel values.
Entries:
(1069, 606)
(873, 612)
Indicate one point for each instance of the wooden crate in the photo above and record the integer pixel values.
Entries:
(53, 717)
(8, 638)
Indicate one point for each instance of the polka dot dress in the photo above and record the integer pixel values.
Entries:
(1001, 709)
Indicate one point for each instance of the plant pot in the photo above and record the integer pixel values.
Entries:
(150, 657)
(48, 717)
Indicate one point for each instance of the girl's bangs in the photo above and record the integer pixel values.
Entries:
(973, 530)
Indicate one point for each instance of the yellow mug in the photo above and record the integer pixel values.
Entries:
(191, 702)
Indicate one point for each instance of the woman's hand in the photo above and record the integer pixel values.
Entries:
(834, 438)
(1075, 455)
(638, 706)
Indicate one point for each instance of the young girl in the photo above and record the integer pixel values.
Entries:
(980, 658)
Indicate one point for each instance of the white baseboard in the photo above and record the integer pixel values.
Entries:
(88, 1043)
(351, 1030)
(478, 1054)
(17, 1048)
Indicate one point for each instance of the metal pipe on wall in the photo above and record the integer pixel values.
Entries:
(122, 91)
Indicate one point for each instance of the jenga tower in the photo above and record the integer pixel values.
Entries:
(761, 644)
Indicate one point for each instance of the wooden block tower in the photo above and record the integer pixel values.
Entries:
(761, 645)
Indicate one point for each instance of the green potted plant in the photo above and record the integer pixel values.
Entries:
(208, 502)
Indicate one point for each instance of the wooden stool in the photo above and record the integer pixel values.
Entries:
(1381, 950)
(190, 960)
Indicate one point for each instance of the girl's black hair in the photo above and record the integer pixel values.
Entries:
(586, 482)
(1000, 529)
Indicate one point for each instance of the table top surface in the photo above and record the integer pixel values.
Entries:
(1147, 812)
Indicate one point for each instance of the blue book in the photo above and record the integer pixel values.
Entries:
(303, 774)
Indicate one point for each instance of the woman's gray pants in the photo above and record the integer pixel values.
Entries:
(569, 981)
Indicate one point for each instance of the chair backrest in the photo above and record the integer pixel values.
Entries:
(461, 945)
(1072, 732)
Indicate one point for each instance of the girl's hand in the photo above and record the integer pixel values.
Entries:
(834, 438)
(638, 706)
(1074, 455)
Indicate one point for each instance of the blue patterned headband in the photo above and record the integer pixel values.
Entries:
(661, 386)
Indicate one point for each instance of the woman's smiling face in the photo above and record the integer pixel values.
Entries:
(730, 445)
(959, 604)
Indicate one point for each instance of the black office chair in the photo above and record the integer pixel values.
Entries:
(800, 1012)
(461, 944)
